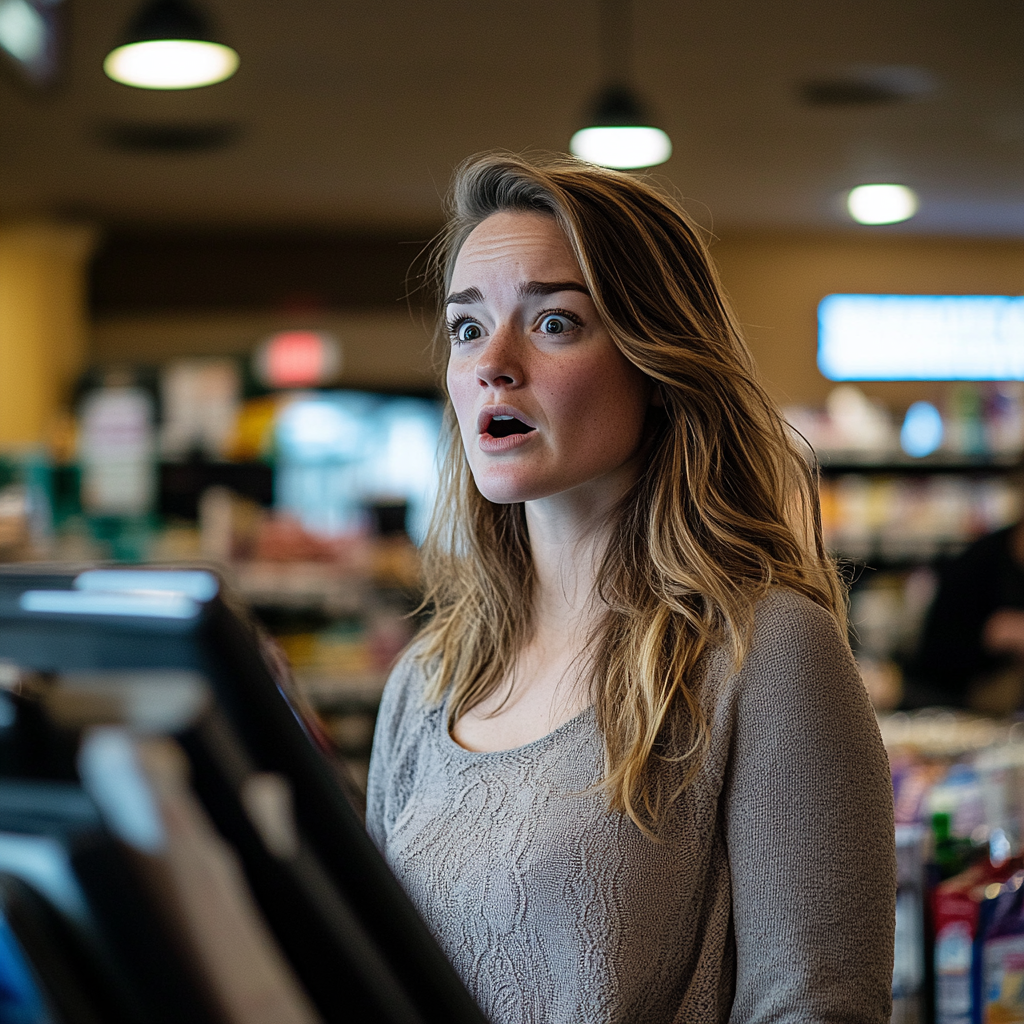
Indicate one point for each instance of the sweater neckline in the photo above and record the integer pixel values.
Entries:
(570, 725)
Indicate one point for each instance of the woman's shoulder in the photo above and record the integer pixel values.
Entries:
(797, 656)
(797, 704)
(398, 737)
(787, 622)
(403, 701)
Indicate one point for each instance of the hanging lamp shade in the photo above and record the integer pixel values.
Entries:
(619, 133)
(169, 45)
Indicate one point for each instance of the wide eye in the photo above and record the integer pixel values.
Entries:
(555, 323)
(467, 330)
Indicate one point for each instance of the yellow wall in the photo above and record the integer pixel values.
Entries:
(43, 325)
(777, 281)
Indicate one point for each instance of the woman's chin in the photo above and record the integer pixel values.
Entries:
(503, 495)
(509, 490)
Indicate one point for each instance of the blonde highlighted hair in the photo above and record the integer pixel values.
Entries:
(724, 509)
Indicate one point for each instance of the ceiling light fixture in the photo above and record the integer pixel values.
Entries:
(619, 133)
(31, 36)
(169, 46)
(881, 204)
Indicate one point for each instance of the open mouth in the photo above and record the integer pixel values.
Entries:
(506, 426)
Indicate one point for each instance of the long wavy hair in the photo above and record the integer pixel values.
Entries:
(724, 509)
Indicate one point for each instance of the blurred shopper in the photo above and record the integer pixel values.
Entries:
(971, 653)
(628, 772)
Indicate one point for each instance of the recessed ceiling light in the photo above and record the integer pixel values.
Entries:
(31, 36)
(171, 64)
(881, 204)
(618, 135)
(22, 30)
(867, 85)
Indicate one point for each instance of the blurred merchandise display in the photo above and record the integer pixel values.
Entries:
(200, 399)
(310, 502)
(976, 421)
(883, 516)
(254, 430)
(887, 610)
(117, 456)
(117, 451)
(897, 501)
(958, 786)
(26, 507)
(340, 451)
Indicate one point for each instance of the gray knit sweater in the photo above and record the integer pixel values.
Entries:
(770, 897)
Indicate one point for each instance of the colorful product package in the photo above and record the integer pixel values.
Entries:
(999, 956)
(908, 972)
(957, 914)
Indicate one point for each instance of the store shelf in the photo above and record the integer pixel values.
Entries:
(299, 587)
(837, 463)
(341, 694)
(881, 515)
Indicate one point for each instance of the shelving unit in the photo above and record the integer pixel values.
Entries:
(892, 521)
(340, 631)
(911, 512)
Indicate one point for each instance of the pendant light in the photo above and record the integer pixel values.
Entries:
(619, 132)
(169, 45)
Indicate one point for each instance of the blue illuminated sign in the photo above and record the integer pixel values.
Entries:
(921, 337)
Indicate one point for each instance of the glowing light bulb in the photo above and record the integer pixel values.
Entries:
(171, 64)
(622, 147)
(881, 204)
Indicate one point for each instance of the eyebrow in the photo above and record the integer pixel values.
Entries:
(471, 295)
(550, 287)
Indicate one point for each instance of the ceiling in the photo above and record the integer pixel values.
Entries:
(352, 116)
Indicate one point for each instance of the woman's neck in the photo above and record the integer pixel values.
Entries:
(569, 534)
(546, 685)
(565, 561)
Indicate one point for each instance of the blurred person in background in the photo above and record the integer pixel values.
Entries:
(971, 651)
(628, 771)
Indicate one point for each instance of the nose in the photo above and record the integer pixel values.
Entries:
(499, 365)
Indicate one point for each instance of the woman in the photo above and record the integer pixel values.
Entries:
(628, 771)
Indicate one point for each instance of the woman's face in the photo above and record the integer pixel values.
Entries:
(545, 401)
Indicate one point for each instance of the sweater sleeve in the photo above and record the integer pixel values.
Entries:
(810, 833)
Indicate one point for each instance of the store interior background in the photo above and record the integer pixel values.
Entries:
(139, 228)
(153, 237)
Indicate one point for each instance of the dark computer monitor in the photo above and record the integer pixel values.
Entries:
(353, 936)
